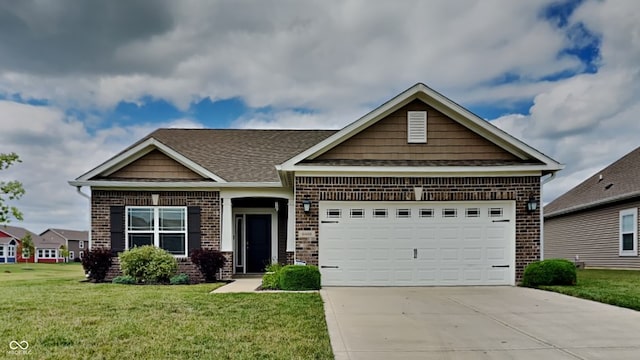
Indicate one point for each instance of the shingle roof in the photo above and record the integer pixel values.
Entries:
(239, 155)
(616, 182)
(38, 241)
(72, 234)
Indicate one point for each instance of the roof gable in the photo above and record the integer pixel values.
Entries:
(155, 165)
(444, 106)
(616, 182)
(387, 140)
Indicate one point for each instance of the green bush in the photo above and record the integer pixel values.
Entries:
(298, 277)
(148, 264)
(124, 279)
(180, 279)
(549, 272)
(270, 280)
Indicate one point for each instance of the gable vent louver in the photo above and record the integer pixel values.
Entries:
(417, 126)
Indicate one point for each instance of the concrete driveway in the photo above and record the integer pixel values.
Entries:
(476, 323)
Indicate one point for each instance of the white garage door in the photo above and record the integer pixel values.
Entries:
(417, 243)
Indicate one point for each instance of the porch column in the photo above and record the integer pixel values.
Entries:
(291, 225)
(226, 242)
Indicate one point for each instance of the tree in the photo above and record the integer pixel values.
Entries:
(9, 190)
(27, 246)
(64, 252)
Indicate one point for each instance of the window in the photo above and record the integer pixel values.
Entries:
(164, 227)
(81, 254)
(448, 213)
(629, 232)
(380, 213)
(47, 254)
(426, 213)
(403, 213)
(11, 251)
(25, 254)
(72, 255)
(495, 212)
(417, 127)
(473, 212)
(334, 213)
(81, 245)
(1, 251)
(357, 213)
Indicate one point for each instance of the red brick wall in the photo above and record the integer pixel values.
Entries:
(209, 202)
(435, 189)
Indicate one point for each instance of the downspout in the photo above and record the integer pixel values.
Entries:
(88, 197)
(544, 181)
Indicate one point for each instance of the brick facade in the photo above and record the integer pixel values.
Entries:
(208, 201)
(518, 188)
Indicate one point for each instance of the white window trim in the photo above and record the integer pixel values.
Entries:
(156, 227)
(81, 255)
(11, 251)
(81, 244)
(627, 212)
(72, 255)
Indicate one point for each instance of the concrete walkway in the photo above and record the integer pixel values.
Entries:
(476, 323)
(241, 285)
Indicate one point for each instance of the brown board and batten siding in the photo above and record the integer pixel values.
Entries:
(593, 235)
(155, 165)
(446, 140)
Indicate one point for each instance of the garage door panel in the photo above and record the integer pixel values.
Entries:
(417, 245)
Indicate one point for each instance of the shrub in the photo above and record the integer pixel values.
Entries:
(271, 279)
(124, 279)
(209, 262)
(549, 272)
(298, 277)
(148, 264)
(96, 264)
(180, 279)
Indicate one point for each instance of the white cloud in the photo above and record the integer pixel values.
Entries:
(55, 149)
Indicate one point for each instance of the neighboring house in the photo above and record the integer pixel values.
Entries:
(420, 191)
(596, 222)
(8, 245)
(45, 251)
(77, 242)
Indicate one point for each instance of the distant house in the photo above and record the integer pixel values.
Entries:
(8, 245)
(77, 242)
(597, 221)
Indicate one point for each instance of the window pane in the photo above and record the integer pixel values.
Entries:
(171, 219)
(627, 223)
(141, 219)
(140, 240)
(627, 242)
(173, 243)
(2, 251)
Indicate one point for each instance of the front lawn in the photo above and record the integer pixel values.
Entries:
(615, 287)
(63, 318)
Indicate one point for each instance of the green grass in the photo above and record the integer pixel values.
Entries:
(615, 287)
(63, 318)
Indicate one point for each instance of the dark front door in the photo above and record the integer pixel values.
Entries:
(258, 235)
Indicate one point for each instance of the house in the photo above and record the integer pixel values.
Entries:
(596, 222)
(11, 248)
(77, 242)
(419, 191)
(8, 245)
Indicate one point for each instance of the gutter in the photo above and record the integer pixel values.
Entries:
(88, 197)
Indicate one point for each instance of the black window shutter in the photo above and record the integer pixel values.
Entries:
(117, 229)
(193, 224)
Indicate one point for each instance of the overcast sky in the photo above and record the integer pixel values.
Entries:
(81, 80)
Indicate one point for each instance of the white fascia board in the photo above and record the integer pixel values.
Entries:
(118, 162)
(172, 185)
(442, 104)
(256, 192)
(431, 172)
